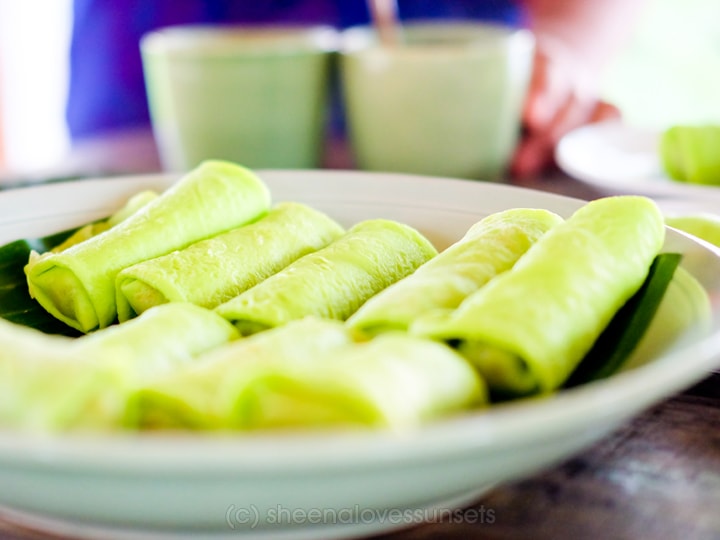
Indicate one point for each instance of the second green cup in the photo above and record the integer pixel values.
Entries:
(445, 102)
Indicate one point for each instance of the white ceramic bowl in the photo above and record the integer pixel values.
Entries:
(310, 485)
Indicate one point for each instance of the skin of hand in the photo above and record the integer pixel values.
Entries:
(575, 41)
(558, 101)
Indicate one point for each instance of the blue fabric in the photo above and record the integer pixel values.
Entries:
(107, 90)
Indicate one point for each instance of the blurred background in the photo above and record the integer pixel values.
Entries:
(669, 73)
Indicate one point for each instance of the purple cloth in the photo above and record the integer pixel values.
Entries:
(107, 90)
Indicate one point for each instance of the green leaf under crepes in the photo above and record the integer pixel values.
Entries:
(627, 328)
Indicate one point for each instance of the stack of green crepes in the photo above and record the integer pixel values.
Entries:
(235, 313)
(77, 285)
(528, 329)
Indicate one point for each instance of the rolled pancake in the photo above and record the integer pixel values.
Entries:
(489, 247)
(51, 383)
(310, 374)
(394, 381)
(215, 270)
(528, 328)
(77, 285)
(334, 281)
(203, 396)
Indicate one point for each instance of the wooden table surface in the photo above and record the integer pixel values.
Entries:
(655, 478)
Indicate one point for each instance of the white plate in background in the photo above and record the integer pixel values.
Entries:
(617, 158)
(182, 485)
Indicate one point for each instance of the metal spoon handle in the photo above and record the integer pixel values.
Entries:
(384, 14)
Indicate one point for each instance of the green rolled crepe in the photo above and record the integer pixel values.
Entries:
(135, 203)
(203, 396)
(489, 247)
(528, 328)
(691, 153)
(334, 281)
(60, 391)
(51, 383)
(309, 374)
(77, 285)
(215, 270)
(394, 381)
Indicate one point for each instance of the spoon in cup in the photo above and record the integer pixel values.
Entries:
(384, 15)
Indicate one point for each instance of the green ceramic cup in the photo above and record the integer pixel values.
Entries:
(252, 95)
(447, 101)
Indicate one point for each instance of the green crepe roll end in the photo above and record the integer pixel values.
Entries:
(64, 305)
(59, 291)
(248, 327)
(142, 297)
(506, 373)
(136, 297)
